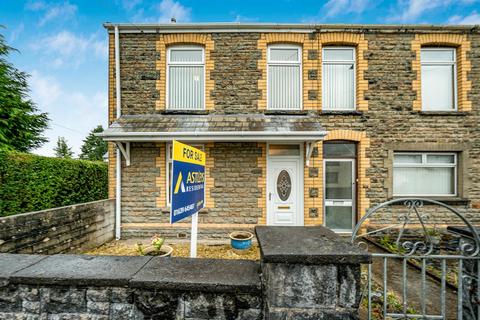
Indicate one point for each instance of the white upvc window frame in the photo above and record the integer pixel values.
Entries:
(168, 161)
(184, 64)
(330, 62)
(424, 164)
(441, 63)
(285, 63)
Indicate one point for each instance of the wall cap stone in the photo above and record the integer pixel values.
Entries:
(82, 270)
(211, 275)
(307, 245)
(12, 263)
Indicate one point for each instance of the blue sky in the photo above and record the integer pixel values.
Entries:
(63, 45)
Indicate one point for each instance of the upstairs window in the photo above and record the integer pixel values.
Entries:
(284, 89)
(185, 78)
(338, 78)
(425, 174)
(438, 79)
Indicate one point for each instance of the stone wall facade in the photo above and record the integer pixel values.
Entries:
(387, 117)
(58, 230)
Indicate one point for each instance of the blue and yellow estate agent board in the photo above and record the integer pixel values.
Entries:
(188, 181)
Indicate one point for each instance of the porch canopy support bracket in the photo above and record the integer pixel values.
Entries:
(125, 150)
(309, 150)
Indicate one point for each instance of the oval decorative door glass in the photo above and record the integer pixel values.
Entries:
(284, 185)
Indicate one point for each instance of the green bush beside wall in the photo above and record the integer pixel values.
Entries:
(31, 183)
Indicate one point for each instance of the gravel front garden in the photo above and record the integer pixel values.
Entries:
(180, 249)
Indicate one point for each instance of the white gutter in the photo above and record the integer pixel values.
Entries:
(277, 27)
(118, 173)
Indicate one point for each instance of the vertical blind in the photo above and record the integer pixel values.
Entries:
(284, 78)
(339, 78)
(186, 84)
(424, 174)
(438, 79)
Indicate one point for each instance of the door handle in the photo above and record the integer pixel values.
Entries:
(269, 196)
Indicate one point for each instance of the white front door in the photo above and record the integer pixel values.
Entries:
(285, 190)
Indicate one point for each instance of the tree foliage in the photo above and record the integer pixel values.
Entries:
(94, 147)
(62, 150)
(21, 125)
(30, 183)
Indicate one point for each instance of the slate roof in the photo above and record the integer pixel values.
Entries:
(214, 127)
(213, 123)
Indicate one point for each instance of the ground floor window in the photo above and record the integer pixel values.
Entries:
(169, 168)
(424, 174)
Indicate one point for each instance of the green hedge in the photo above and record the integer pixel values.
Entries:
(30, 182)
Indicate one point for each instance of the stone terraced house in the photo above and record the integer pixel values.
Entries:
(302, 124)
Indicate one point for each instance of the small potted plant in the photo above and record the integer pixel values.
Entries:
(156, 248)
(241, 240)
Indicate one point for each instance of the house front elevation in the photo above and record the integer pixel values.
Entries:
(301, 124)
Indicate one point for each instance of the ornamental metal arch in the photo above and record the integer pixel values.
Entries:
(398, 233)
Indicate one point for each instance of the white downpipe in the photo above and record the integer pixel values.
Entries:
(118, 174)
(118, 97)
(118, 197)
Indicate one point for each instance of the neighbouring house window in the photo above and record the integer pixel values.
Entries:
(438, 79)
(338, 78)
(284, 88)
(425, 174)
(185, 78)
(169, 168)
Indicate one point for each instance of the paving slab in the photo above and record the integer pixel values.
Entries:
(11, 263)
(211, 275)
(63, 269)
(307, 245)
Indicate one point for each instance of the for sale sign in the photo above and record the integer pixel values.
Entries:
(188, 181)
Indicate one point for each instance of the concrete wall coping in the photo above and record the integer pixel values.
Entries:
(307, 245)
(72, 206)
(210, 275)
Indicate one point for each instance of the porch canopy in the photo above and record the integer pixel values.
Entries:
(214, 127)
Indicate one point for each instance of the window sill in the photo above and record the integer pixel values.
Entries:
(342, 112)
(202, 211)
(286, 112)
(194, 112)
(445, 200)
(442, 113)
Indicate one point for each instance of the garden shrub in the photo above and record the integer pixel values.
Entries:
(30, 183)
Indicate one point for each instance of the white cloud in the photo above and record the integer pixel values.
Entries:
(172, 9)
(161, 12)
(72, 113)
(473, 18)
(35, 5)
(240, 18)
(411, 10)
(334, 7)
(66, 48)
(63, 11)
(16, 32)
(45, 90)
(130, 4)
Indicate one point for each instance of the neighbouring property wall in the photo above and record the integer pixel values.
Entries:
(59, 230)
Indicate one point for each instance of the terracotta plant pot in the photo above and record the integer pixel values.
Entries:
(165, 251)
(241, 240)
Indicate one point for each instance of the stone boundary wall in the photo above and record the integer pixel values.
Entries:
(315, 275)
(59, 230)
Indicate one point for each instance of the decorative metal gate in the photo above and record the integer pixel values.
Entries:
(419, 271)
